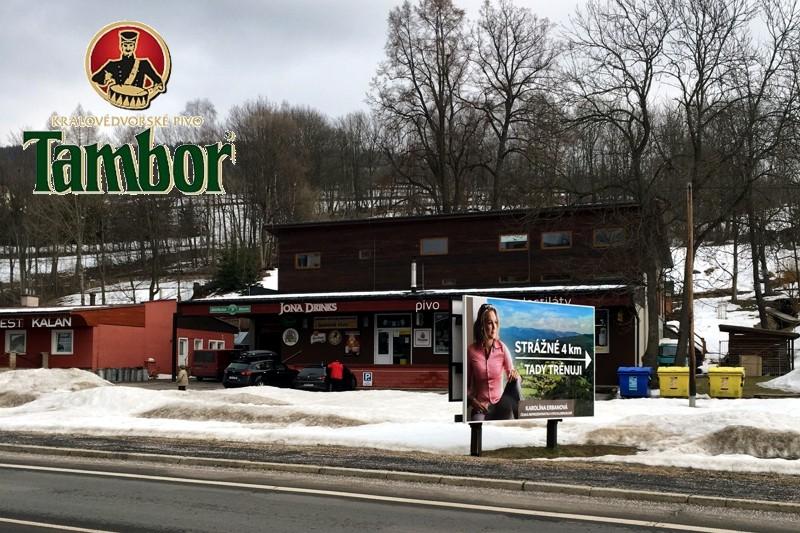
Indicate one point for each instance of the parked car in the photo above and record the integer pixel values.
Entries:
(668, 350)
(211, 364)
(316, 378)
(253, 355)
(245, 372)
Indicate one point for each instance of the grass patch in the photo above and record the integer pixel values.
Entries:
(566, 450)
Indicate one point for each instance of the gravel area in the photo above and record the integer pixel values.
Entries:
(631, 477)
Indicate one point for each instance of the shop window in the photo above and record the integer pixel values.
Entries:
(608, 237)
(601, 331)
(393, 321)
(433, 246)
(16, 341)
(364, 254)
(513, 278)
(441, 333)
(307, 261)
(61, 343)
(198, 344)
(553, 240)
(514, 242)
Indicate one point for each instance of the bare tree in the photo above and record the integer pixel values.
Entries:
(704, 54)
(514, 57)
(418, 95)
(617, 52)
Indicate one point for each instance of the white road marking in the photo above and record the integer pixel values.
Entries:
(50, 526)
(373, 497)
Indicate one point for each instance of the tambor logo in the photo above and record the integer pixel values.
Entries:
(128, 64)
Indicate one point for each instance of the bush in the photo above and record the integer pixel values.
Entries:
(237, 269)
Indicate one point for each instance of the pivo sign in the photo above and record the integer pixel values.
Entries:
(128, 64)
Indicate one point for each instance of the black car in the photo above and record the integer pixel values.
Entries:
(316, 378)
(258, 372)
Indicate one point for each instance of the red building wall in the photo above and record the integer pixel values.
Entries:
(158, 333)
(206, 336)
(119, 346)
(39, 340)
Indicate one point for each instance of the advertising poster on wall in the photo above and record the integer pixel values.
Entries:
(527, 360)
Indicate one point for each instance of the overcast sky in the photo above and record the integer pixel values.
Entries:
(318, 53)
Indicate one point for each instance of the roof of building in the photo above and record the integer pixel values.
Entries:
(541, 289)
(783, 317)
(729, 328)
(510, 213)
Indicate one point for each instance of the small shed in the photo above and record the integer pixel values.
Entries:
(776, 348)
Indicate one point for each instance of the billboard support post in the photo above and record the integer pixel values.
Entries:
(552, 433)
(475, 444)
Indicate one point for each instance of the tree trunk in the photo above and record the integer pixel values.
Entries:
(653, 315)
(755, 254)
(735, 273)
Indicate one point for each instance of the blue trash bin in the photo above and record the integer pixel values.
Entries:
(634, 381)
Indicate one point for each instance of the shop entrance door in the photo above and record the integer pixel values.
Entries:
(393, 340)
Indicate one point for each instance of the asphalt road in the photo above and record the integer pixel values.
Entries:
(169, 499)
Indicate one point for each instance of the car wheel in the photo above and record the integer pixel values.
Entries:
(225, 385)
(258, 382)
(353, 383)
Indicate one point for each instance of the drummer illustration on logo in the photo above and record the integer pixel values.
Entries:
(128, 64)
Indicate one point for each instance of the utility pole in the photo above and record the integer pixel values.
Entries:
(688, 286)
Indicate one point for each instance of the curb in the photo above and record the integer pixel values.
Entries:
(435, 479)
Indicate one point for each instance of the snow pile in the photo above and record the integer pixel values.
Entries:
(746, 435)
(18, 387)
(788, 382)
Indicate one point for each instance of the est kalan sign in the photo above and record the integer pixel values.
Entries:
(540, 363)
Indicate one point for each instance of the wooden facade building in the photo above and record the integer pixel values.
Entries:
(347, 289)
(775, 347)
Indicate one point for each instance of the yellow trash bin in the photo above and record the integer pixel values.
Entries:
(673, 381)
(726, 381)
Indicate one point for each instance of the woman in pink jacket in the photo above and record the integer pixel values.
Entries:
(489, 362)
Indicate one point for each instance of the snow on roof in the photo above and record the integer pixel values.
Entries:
(42, 310)
(432, 292)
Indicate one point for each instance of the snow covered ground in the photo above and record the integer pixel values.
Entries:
(123, 293)
(757, 435)
(741, 435)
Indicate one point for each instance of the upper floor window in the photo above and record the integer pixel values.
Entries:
(513, 242)
(556, 239)
(607, 237)
(307, 261)
(433, 246)
(365, 253)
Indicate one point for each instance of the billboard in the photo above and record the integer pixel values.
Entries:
(527, 360)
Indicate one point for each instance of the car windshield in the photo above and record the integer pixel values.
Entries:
(238, 366)
(311, 373)
(668, 349)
